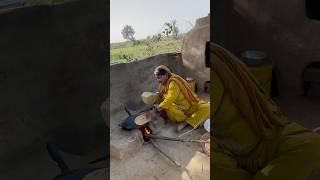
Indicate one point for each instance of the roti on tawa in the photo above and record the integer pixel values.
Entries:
(142, 119)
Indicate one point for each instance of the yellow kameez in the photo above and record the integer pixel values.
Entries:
(239, 154)
(178, 109)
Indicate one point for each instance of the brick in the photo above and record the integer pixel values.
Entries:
(125, 144)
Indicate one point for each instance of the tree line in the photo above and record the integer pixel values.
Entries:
(170, 29)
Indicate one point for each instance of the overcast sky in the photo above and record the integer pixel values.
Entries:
(148, 16)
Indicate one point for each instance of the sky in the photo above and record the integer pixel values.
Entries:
(147, 17)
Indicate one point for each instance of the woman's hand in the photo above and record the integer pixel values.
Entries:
(152, 113)
(158, 108)
(150, 107)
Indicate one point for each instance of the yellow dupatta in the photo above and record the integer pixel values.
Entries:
(254, 104)
(184, 86)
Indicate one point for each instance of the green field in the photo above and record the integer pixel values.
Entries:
(127, 52)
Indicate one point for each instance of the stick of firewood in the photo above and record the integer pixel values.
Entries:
(163, 153)
(176, 139)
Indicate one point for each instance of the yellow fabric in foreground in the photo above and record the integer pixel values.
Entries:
(264, 76)
(178, 109)
(251, 99)
(240, 152)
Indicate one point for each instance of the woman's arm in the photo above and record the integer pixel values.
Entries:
(171, 96)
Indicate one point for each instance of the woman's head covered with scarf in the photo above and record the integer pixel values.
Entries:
(162, 73)
(165, 76)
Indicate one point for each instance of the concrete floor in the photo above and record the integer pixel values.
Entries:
(40, 166)
(148, 163)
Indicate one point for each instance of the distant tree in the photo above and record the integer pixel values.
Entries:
(175, 30)
(168, 29)
(156, 38)
(171, 29)
(128, 33)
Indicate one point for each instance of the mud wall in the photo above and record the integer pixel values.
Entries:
(193, 48)
(129, 80)
(52, 61)
(281, 29)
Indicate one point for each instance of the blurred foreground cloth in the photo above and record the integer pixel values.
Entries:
(252, 138)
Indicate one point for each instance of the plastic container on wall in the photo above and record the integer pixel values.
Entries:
(260, 66)
(192, 83)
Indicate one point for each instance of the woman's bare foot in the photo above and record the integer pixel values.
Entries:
(181, 126)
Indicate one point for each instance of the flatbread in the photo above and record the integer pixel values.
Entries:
(142, 119)
(149, 97)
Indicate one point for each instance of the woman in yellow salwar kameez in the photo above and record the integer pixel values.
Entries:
(252, 139)
(177, 102)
